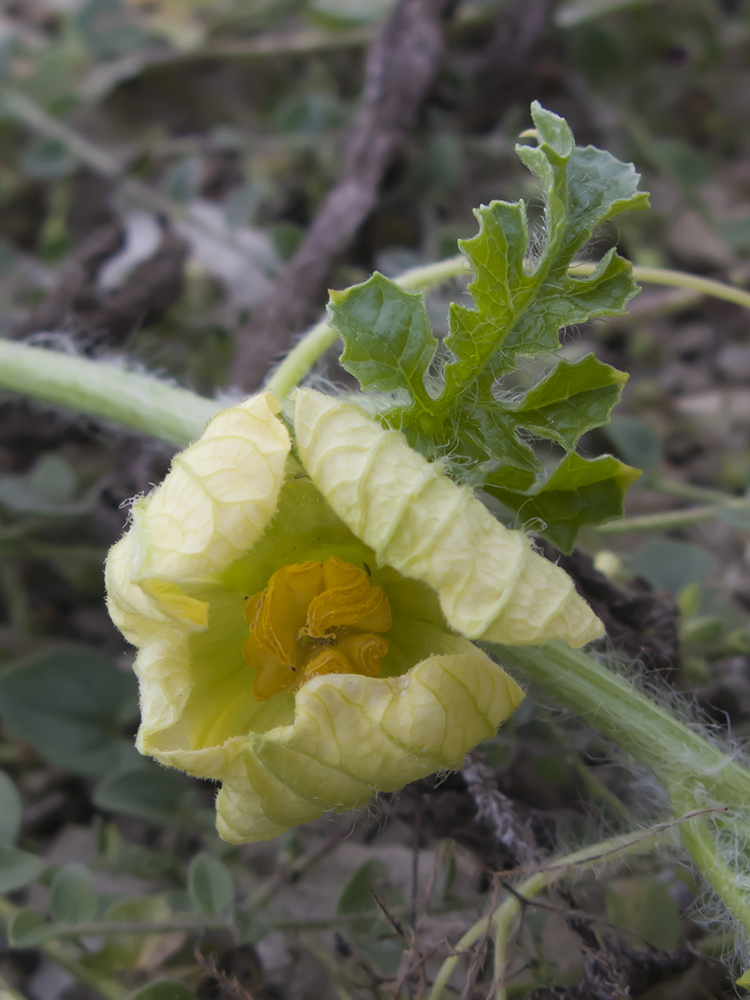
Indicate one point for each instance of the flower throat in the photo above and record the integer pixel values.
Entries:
(315, 618)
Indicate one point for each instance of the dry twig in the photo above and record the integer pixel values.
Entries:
(76, 306)
(400, 69)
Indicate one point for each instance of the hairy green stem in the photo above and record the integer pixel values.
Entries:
(679, 279)
(502, 917)
(695, 773)
(140, 402)
(668, 519)
(65, 956)
(676, 754)
(697, 837)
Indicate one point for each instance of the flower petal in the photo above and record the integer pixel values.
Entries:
(490, 582)
(214, 504)
(218, 496)
(212, 507)
(355, 735)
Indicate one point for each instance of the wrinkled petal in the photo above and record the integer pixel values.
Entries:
(218, 496)
(213, 505)
(353, 736)
(186, 586)
(490, 582)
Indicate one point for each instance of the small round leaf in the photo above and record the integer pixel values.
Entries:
(73, 898)
(10, 810)
(210, 885)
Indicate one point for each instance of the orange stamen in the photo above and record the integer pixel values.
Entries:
(315, 618)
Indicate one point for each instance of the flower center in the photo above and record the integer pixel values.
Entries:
(315, 618)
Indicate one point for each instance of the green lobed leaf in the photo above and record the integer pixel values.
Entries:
(572, 399)
(446, 399)
(388, 343)
(579, 492)
(523, 300)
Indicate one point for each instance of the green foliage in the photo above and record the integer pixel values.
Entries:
(128, 950)
(210, 885)
(48, 490)
(27, 928)
(146, 792)
(18, 868)
(107, 30)
(10, 810)
(69, 704)
(451, 401)
(635, 441)
(73, 898)
(357, 893)
(671, 565)
(250, 928)
(645, 907)
(367, 897)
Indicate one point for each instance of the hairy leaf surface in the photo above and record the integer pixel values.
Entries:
(450, 399)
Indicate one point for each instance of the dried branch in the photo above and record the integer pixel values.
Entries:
(497, 812)
(400, 69)
(76, 306)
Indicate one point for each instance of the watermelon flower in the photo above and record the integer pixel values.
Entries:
(305, 622)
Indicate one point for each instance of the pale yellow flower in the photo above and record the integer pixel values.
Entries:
(304, 626)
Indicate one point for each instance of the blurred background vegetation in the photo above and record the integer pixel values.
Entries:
(161, 163)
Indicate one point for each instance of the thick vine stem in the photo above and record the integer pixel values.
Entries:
(676, 754)
(695, 773)
(139, 402)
